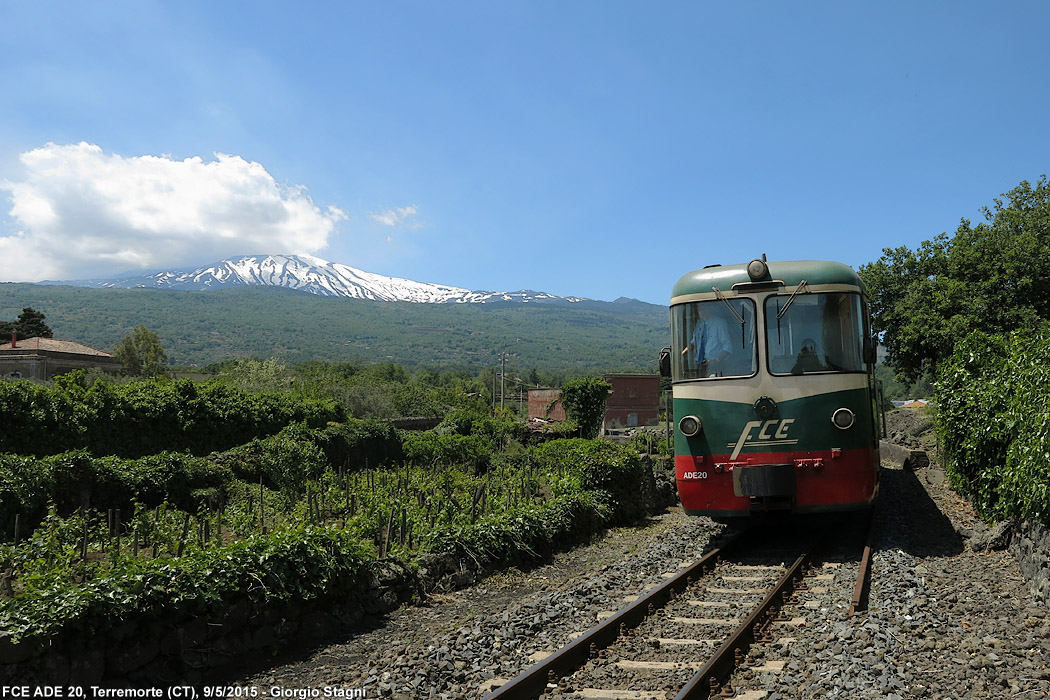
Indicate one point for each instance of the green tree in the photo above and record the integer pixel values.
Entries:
(584, 402)
(141, 353)
(30, 324)
(993, 277)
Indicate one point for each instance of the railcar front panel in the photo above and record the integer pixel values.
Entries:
(796, 460)
(772, 369)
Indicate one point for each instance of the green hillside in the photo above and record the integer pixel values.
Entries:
(200, 328)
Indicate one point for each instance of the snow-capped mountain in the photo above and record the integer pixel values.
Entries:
(310, 274)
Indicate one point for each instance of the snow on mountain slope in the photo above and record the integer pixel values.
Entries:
(316, 276)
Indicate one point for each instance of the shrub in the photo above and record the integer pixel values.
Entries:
(358, 444)
(613, 471)
(74, 480)
(584, 402)
(525, 532)
(993, 423)
(431, 448)
(147, 417)
(299, 564)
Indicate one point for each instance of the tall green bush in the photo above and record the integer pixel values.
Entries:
(146, 417)
(299, 564)
(358, 444)
(993, 423)
(614, 472)
(584, 402)
(74, 480)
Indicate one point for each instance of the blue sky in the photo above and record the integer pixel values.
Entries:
(599, 149)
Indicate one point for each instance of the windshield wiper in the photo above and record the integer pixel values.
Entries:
(782, 311)
(799, 288)
(738, 317)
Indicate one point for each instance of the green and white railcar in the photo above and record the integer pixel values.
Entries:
(772, 371)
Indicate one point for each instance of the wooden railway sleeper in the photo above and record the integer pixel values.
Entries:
(557, 667)
(754, 629)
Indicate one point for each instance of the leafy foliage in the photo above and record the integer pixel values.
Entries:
(529, 530)
(284, 565)
(141, 354)
(613, 472)
(298, 454)
(894, 389)
(584, 402)
(75, 480)
(297, 510)
(993, 277)
(994, 423)
(144, 417)
(30, 324)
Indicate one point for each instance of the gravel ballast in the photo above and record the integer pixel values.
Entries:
(950, 616)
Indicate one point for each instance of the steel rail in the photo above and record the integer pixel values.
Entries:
(707, 680)
(863, 586)
(532, 682)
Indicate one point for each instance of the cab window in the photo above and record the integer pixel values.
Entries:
(713, 339)
(811, 333)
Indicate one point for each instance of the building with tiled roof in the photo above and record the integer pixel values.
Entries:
(44, 358)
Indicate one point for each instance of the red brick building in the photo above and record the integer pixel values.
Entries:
(634, 400)
(545, 404)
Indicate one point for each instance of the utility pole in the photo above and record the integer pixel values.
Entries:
(502, 377)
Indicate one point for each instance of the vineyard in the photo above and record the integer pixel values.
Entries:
(148, 506)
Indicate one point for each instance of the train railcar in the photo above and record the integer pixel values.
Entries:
(773, 390)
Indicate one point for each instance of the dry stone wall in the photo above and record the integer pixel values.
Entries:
(1030, 546)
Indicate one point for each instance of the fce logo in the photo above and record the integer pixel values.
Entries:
(771, 432)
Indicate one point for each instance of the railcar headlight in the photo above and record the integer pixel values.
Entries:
(757, 269)
(690, 426)
(765, 407)
(843, 418)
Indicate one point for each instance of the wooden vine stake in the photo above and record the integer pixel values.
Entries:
(262, 517)
(84, 543)
(185, 531)
(404, 526)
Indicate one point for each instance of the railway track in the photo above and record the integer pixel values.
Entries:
(689, 637)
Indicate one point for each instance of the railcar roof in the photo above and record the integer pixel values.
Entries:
(791, 272)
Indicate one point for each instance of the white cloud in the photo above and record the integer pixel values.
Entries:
(85, 213)
(396, 216)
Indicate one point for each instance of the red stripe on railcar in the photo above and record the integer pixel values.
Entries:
(824, 480)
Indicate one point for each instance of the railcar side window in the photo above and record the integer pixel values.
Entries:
(815, 333)
(713, 339)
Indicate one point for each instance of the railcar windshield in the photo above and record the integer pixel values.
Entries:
(713, 339)
(809, 333)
